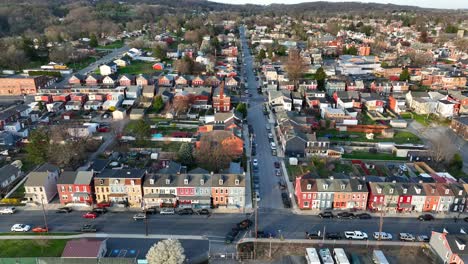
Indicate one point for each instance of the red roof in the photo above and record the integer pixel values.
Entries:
(82, 248)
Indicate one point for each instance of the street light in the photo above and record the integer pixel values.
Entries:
(44, 214)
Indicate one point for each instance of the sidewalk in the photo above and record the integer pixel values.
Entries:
(103, 235)
(332, 242)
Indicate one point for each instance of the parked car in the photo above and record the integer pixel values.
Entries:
(91, 215)
(364, 216)
(40, 229)
(204, 212)
(257, 196)
(20, 228)
(139, 216)
(382, 236)
(278, 172)
(356, 235)
(406, 237)
(313, 235)
(333, 236)
(186, 211)
(151, 210)
(266, 234)
(7, 210)
(422, 238)
(244, 224)
(103, 204)
(270, 135)
(167, 211)
(286, 200)
(426, 217)
(98, 210)
(326, 215)
(64, 210)
(87, 228)
(255, 162)
(345, 215)
(277, 165)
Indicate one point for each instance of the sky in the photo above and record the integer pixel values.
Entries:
(452, 4)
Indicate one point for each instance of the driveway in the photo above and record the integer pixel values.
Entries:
(270, 194)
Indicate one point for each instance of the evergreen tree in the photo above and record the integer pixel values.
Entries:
(242, 108)
(93, 42)
(38, 146)
(158, 103)
(185, 154)
(320, 76)
(405, 75)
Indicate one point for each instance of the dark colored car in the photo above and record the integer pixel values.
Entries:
(151, 210)
(88, 228)
(313, 235)
(326, 215)
(277, 164)
(426, 217)
(244, 224)
(345, 215)
(265, 234)
(186, 211)
(64, 210)
(231, 236)
(98, 210)
(364, 216)
(286, 200)
(204, 212)
(333, 236)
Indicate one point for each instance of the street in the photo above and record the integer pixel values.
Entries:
(270, 194)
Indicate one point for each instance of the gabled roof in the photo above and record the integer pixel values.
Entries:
(7, 171)
(123, 173)
(76, 177)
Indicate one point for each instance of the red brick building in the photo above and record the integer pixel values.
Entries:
(221, 101)
(19, 85)
(76, 187)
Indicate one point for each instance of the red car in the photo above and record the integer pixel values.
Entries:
(40, 229)
(103, 204)
(90, 215)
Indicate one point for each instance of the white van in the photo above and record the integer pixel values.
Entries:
(273, 145)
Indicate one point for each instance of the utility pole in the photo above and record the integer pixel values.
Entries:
(256, 230)
(44, 214)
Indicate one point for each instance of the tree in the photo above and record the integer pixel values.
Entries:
(141, 129)
(456, 164)
(185, 154)
(181, 104)
(420, 59)
(320, 76)
(405, 75)
(350, 51)
(168, 251)
(242, 108)
(423, 36)
(295, 66)
(441, 148)
(36, 149)
(211, 154)
(214, 42)
(61, 54)
(451, 29)
(93, 42)
(159, 52)
(158, 103)
(185, 65)
(261, 55)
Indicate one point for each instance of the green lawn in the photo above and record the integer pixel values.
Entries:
(426, 120)
(25, 248)
(294, 171)
(38, 234)
(372, 156)
(137, 67)
(114, 45)
(78, 65)
(310, 76)
(400, 137)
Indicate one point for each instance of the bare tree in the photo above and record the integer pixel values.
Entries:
(181, 104)
(62, 54)
(295, 66)
(211, 152)
(441, 148)
(420, 59)
(462, 44)
(168, 251)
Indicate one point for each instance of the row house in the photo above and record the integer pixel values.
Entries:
(166, 80)
(195, 190)
(373, 102)
(397, 103)
(460, 100)
(306, 86)
(120, 186)
(400, 87)
(323, 194)
(357, 85)
(349, 99)
(76, 187)
(381, 87)
(41, 184)
(334, 86)
(315, 99)
(460, 127)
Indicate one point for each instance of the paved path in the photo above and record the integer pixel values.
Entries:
(102, 235)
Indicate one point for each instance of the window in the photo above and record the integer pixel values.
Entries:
(202, 182)
(306, 204)
(168, 181)
(116, 181)
(216, 199)
(446, 191)
(408, 199)
(216, 190)
(342, 186)
(40, 189)
(309, 196)
(236, 182)
(391, 190)
(221, 191)
(309, 186)
(221, 182)
(99, 197)
(101, 181)
(222, 199)
(84, 189)
(460, 192)
(132, 182)
(64, 197)
(405, 190)
(185, 181)
(401, 199)
(304, 196)
(379, 190)
(359, 187)
(70, 188)
(325, 186)
(77, 188)
(151, 181)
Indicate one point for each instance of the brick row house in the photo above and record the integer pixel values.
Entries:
(346, 194)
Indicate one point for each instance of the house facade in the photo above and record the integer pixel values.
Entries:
(76, 187)
(120, 186)
(41, 185)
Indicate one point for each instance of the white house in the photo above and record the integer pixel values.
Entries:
(445, 108)
(108, 69)
(41, 185)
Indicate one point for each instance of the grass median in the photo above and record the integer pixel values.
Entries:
(14, 248)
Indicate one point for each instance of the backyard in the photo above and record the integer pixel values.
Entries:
(13, 248)
(114, 45)
(137, 67)
(371, 156)
(400, 137)
(426, 120)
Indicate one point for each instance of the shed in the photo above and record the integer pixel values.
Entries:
(137, 113)
(119, 114)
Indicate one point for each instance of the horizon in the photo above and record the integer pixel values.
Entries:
(454, 4)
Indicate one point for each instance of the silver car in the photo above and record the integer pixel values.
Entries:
(139, 216)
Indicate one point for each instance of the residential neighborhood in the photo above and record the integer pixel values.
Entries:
(234, 133)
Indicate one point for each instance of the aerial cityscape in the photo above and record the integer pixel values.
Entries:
(193, 131)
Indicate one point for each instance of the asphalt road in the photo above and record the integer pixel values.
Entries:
(270, 194)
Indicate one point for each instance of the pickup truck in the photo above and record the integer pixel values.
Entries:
(357, 235)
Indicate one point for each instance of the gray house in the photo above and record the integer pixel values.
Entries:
(8, 174)
(451, 248)
(325, 193)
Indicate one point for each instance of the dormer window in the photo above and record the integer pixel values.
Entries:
(151, 181)
(325, 186)
(405, 190)
(391, 190)
(433, 190)
(132, 182)
(185, 181)
(116, 181)
(168, 181)
(202, 181)
(309, 186)
(446, 191)
(359, 187)
(236, 182)
(342, 186)
(460, 192)
(418, 191)
(221, 181)
(101, 182)
(379, 190)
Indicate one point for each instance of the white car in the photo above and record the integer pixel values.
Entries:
(8, 210)
(270, 135)
(382, 235)
(407, 237)
(255, 162)
(257, 197)
(358, 235)
(20, 228)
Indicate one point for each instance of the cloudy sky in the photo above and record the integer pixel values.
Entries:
(422, 3)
